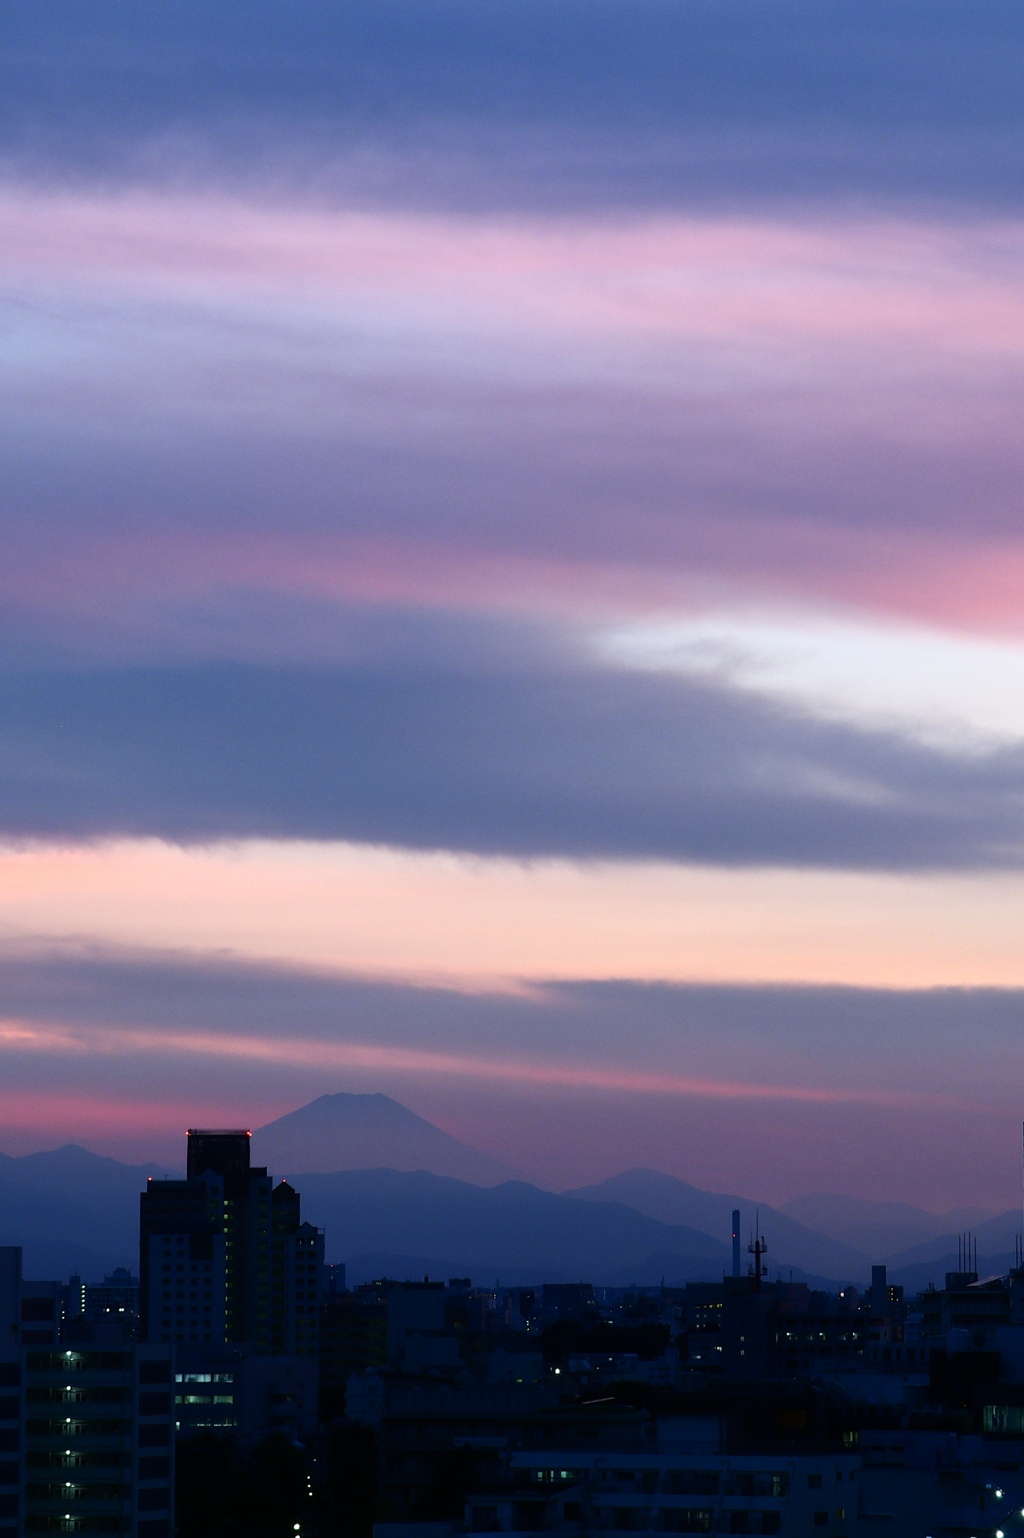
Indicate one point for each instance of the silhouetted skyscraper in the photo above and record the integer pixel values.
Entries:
(225, 1257)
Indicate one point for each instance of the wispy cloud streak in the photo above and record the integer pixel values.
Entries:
(18, 1036)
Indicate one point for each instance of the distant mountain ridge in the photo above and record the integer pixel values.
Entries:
(350, 1132)
(673, 1201)
(884, 1229)
(996, 1235)
(509, 1227)
(71, 1209)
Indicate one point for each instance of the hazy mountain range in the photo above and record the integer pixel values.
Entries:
(398, 1196)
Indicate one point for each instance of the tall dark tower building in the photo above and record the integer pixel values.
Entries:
(225, 1256)
(224, 1153)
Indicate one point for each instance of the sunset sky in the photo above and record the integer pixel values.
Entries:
(512, 580)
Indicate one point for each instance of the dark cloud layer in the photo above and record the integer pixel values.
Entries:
(525, 101)
(517, 760)
(780, 1032)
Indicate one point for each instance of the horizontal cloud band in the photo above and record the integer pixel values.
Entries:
(813, 1044)
(523, 760)
(521, 102)
(340, 1057)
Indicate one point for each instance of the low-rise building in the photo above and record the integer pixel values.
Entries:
(672, 1492)
(236, 1391)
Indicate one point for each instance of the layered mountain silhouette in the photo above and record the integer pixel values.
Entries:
(392, 1206)
(673, 1201)
(357, 1132)
(880, 1228)
(72, 1210)
(497, 1232)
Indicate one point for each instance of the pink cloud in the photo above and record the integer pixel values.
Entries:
(599, 416)
(974, 584)
(716, 276)
(64, 1116)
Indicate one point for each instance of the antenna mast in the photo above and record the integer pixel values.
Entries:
(758, 1247)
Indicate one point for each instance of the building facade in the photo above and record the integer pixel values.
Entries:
(85, 1441)
(30, 1312)
(225, 1257)
(791, 1497)
(230, 1391)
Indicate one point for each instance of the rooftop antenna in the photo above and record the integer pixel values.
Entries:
(757, 1247)
(967, 1254)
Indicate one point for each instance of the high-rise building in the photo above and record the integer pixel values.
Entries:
(85, 1427)
(30, 1312)
(225, 1256)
